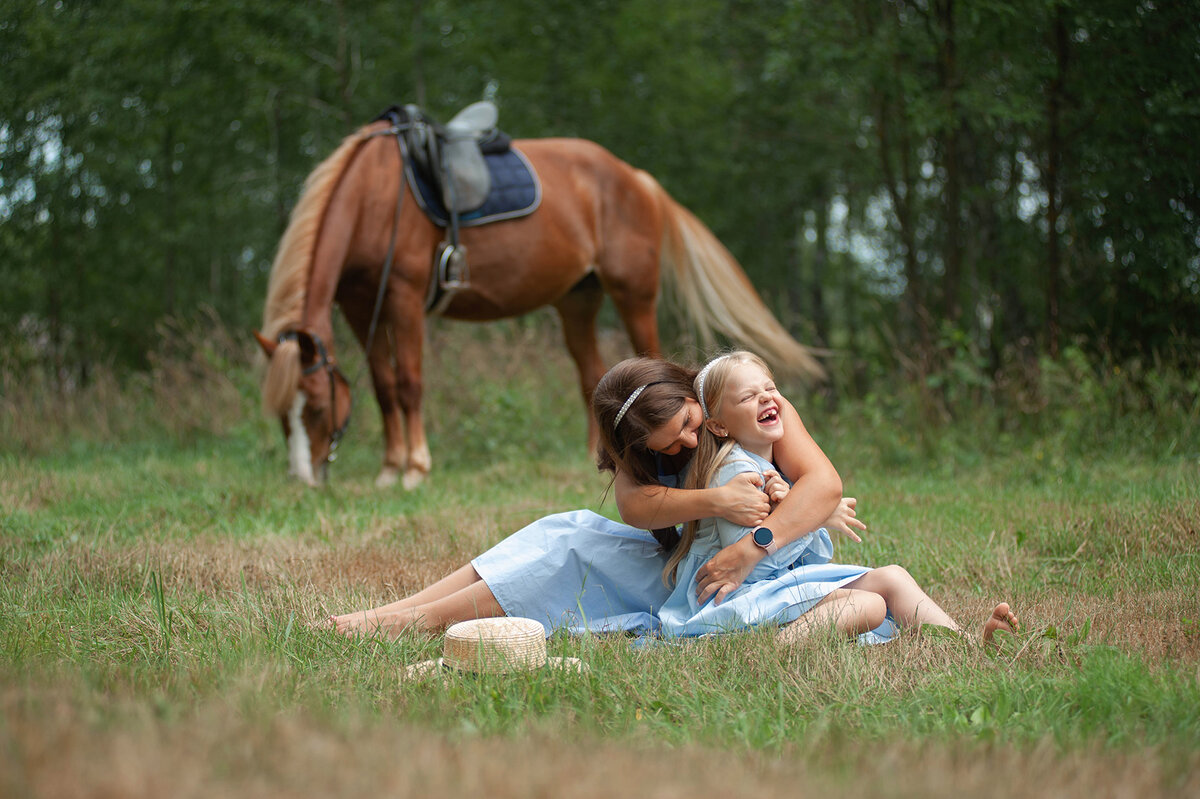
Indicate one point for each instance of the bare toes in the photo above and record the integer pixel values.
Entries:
(1002, 618)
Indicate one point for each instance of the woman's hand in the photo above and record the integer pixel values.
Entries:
(845, 517)
(742, 500)
(725, 571)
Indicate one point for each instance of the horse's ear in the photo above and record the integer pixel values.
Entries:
(267, 345)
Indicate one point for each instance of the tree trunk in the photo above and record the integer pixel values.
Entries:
(1053, 176)
(820, 269)
(418, 64)
(952, 196)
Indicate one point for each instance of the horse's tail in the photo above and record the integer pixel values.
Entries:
(717, 295)
(287, 286)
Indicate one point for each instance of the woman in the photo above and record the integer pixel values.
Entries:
(582, 571)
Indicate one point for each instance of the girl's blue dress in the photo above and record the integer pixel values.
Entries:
(781, 587)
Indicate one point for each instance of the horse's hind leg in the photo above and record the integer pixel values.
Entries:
(578, 310)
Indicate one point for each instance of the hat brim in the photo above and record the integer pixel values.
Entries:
(439, 666)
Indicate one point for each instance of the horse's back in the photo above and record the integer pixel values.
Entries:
(577, 158)
(624, 199)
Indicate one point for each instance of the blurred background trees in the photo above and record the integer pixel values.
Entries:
(936, 190)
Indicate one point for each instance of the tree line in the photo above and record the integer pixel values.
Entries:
(908, 182)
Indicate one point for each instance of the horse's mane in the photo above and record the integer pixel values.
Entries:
(287, 287)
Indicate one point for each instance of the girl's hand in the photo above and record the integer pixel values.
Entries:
(742, 500)
(776, 488)
(844, 517)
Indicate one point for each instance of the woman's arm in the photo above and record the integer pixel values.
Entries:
(816, 491)
(651, 507)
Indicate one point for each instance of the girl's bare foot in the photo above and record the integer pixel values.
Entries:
(1002, 618)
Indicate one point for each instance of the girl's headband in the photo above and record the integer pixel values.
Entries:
(700, 383)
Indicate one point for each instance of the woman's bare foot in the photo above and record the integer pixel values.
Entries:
(363, 622)
(1002, 618)
(372, 622)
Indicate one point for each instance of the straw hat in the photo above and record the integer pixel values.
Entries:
(494, 646)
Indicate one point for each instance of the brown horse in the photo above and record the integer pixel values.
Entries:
(602, 226)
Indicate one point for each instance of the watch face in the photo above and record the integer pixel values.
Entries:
(763, 537)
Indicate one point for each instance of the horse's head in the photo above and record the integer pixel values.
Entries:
(310, 395)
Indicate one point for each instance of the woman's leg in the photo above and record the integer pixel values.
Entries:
(848, 611)
(911, 606)
(445, 587)
(474, 601)
(451, 583)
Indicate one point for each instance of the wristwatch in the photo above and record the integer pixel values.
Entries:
(765, 539)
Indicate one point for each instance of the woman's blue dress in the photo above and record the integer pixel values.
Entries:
(578, 571)
(781, 587)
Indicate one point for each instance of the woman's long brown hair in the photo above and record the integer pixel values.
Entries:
(623, 446)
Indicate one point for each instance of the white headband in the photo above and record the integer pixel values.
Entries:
(621, 413)
(700, 383)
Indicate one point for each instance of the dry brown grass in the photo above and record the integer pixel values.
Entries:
(50, 750)
(389, 559)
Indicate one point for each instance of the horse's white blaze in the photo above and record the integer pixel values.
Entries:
(299, 449)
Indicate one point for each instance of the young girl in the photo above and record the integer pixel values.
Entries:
(794, 584)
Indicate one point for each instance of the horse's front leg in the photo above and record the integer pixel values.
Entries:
(357, 303)
(395, 453)
(408, 336)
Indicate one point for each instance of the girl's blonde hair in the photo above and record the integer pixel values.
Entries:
(711, 451)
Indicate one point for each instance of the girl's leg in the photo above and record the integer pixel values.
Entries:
(908, 603)
(450, 584)
(848, 611)
(475, 601)
(911, 606)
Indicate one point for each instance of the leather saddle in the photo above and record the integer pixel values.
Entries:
(451, 155)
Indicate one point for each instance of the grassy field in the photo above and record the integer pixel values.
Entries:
(158, 573)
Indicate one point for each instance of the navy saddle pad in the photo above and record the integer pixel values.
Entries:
(515, 192)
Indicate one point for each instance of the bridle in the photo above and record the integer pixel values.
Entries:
(332, 370)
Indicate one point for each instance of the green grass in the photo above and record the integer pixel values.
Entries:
(156, 586)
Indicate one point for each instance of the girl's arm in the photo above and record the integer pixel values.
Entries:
(652, 507)
(816, 491)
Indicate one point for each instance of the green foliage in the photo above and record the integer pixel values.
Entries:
(894, 167)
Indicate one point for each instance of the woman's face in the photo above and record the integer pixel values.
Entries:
(679, 432)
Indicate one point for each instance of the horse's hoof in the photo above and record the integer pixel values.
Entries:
(387, 477)
(413, 478)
